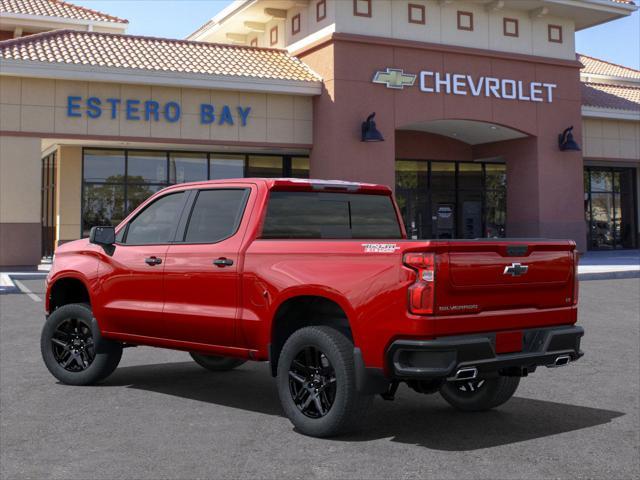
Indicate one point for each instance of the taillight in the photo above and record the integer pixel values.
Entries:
(576, 284)
(422, 292)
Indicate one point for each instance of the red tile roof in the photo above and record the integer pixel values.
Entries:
(56, 8)
(155, 54)
(620, 97)
(602, 67)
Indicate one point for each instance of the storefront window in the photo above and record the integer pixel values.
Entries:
(138, 193)
(103, 165)
(48, 204)
(495, 213)
(412, 195)
(495, 204)
(147, 167)
(115, 182)
(226, 166)
(495, 176)
(264, 166)
(610, 208)
(187, 167)
(103, 204)
(443, 200)
(452, 199)
(300, 167)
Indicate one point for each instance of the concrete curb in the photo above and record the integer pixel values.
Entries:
(7, 284)
(609, 275)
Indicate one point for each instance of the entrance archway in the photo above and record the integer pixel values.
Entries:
(451, 178)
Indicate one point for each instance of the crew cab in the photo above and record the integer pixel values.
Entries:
(319, 279)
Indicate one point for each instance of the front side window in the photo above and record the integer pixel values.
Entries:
(330, 215)
(157, 223)
(216, 215)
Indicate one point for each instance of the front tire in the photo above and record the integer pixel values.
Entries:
(72, 348)
(215, 363)
(317, 384)
(480, 394)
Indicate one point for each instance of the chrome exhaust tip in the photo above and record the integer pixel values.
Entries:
(467, 373)
(560, 361)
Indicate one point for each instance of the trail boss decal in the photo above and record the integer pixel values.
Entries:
(380, 247)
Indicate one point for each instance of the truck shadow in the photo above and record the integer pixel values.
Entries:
(411, 419)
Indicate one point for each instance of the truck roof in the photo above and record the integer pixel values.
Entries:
(300, 184)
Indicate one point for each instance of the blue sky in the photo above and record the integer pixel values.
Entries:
(617, 42)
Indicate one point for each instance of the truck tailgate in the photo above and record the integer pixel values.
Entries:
(487, 276)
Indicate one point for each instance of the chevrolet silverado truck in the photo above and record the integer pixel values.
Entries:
(318, 279)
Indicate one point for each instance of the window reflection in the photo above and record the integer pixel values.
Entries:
(103, 165)
(187, 167)
(226, 166)
(147, 167)
(103, 204)
(412, 195)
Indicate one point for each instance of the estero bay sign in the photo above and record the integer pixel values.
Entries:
(153, 111)
(463, 84)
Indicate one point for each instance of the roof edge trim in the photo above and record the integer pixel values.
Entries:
(610, 113)
(73, 21)
(91, 73)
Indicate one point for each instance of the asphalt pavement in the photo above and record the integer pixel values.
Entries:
(162, 416)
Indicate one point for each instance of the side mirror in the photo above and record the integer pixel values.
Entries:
(104, 236)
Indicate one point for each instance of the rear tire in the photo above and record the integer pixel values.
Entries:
(73, 349)
(215, 363)
(480, 394)
(317, 384)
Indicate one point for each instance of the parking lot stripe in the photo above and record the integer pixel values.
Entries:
(26, 291)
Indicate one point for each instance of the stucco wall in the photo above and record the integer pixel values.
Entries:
(19, 200)
(612, 139)
(389, 18)
(40, 106)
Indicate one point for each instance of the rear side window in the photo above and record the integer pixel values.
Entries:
(216, 215)
(157, 223)
(330, 215)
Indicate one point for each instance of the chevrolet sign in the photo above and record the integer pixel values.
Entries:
(395, 78)
(464, 84)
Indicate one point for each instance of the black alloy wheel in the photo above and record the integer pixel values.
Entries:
(73, 345)
(73, 348)
(317, 382)
(479, 394)
(312, 382)
(469, 386)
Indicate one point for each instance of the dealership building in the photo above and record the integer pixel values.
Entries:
(487, 123)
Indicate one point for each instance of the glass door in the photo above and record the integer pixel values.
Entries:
(452, 199)
(48, 205)
(610, 208)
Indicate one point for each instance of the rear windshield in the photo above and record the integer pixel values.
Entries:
(330, 215)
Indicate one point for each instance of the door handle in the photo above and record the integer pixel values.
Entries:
(153, 261)
(223, 262)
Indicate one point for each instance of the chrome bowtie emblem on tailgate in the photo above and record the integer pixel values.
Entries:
(516, 269)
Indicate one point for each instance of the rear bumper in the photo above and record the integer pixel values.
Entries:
(443, 357)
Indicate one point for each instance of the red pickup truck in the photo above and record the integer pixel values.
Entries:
(317, 278)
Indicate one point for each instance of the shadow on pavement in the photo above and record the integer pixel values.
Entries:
(412, 419)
